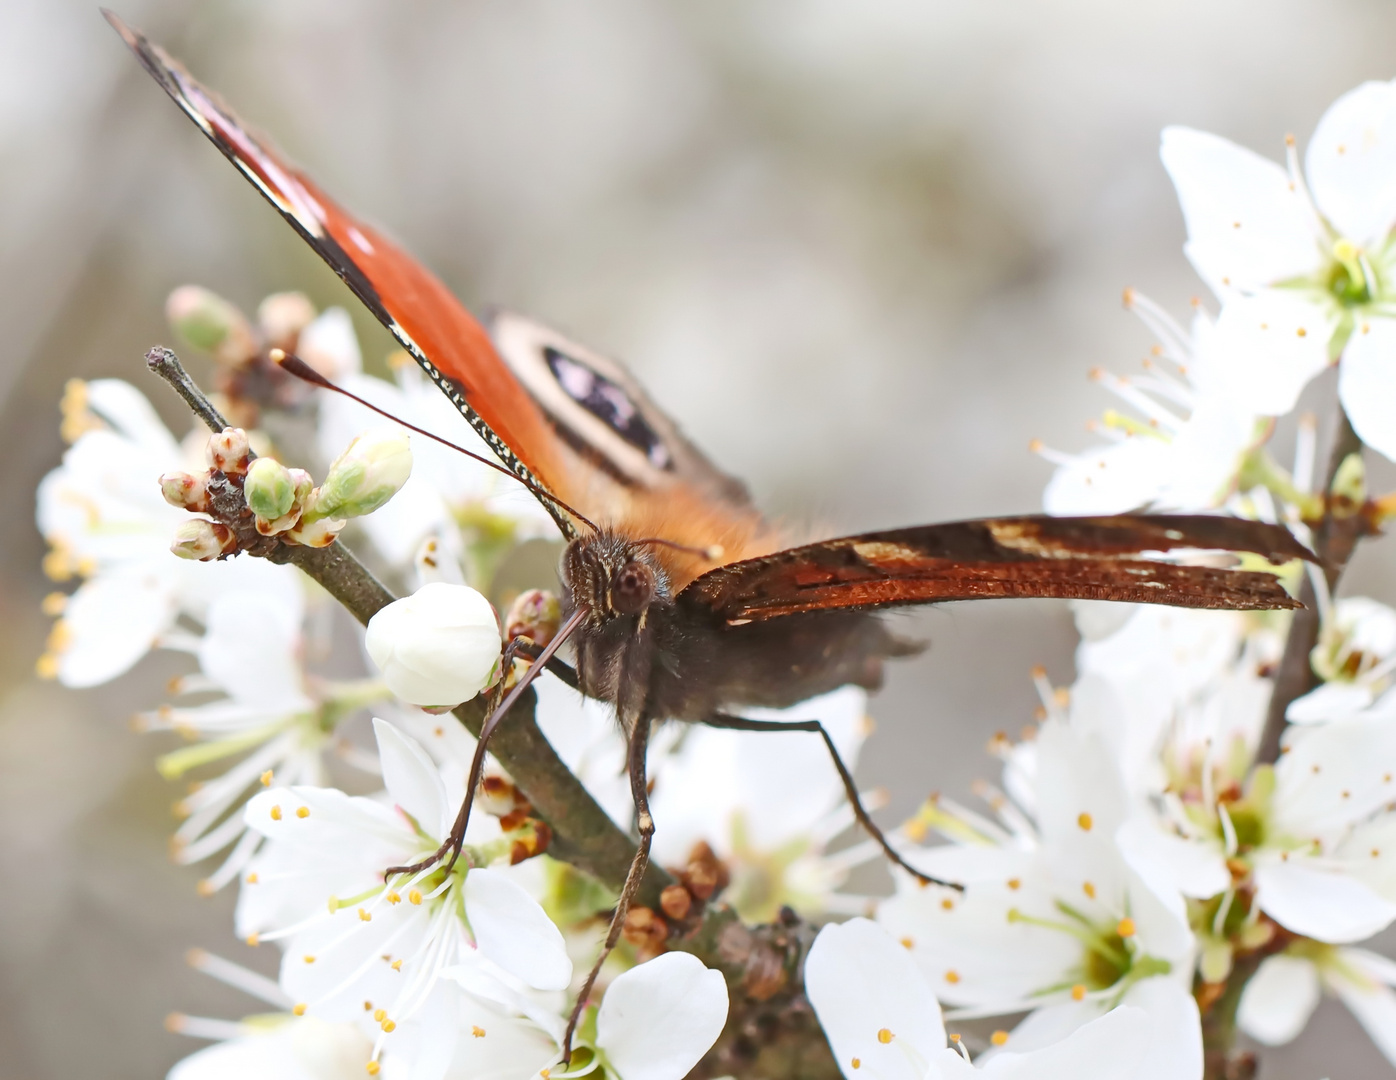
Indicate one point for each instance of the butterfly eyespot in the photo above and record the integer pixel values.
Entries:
(632, 589)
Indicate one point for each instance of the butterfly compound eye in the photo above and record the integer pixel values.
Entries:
(632, 589)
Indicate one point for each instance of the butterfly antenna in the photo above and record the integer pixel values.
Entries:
(454, 842)
(713, 552)
(294, 365)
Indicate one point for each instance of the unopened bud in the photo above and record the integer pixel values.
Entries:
(369, 473)
(676, 901)
(185, 490)
(646, 930)
(202, 540)
(270, 489)
(229, 451)
(536, 615)
(315, 534)
(282, 316)
(439, 646)
(208, 322)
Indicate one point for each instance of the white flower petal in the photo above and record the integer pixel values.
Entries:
(1115, 478)
(514, 932)
(1173, 1045)
(1367, 383)
(330, 345)
(1109, 1048)
(1351, 163)
(1323, 905)
(657, 1020)
(1279, 999)
(861, 982)
(1166, 860)
(412, 780)
(129, 411)
(112, 621)
(1375, 1009)
(1330, 701)
(304, 1049)
(251, 648)
(438, 646)
(1246, 227)
(1272, 344)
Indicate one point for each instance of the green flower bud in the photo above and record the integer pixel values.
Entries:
(369, 473)
(202, 540)
(270, 489)
(208, 322)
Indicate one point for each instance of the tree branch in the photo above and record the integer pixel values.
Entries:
(761, 963)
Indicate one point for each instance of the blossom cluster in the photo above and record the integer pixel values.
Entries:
(1161, 849)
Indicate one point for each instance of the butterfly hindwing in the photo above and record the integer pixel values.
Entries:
(1037, 556)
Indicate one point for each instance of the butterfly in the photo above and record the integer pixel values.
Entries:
(681, 600)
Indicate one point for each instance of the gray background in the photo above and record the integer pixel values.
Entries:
(864, 251)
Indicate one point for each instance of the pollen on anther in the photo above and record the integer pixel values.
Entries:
(477, 1031)
(372, 1068)
(266, 778)
(380, 1015)
(368, 1006)
(1376, 853)
(884, 1035)
(389, 1026)
(1088, 888)
(954, 1036)
(397, 965)
(302, 811)
(414, 897)
(276, 813)
(1085, 821)
(1078, 992)
(948, 904)
(998, 1038)
(366, 916)
(952, 976)
(254, 940)
(299, 1008)
(907, 943)
(1125, 927)
(308, 958)
(1015, 884)
(857, 1063)
(394, 898)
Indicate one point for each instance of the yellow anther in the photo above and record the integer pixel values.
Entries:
(251, 879)
(372, 1068)
(308, 958)
(276, 813)
(998, 1038)
(954, 1036)
(884, 1036)
(266, 778)
(388, 1025)
(302, 811)
(53, 604)
(379, 1015)
(1302, 332)
(333, 904)
(365, 915)
(1085, 821)
(414, 897)
(254, 940)
(1015, 883)
(907, 943)
(948, 904)
(397, 965)
(1125, 928)
(60, 636)
(1088, 889)
(298, 1009)
(952, 976)
(394, 898)
(477, 1031)
(205, 888)
(857, 1063)
(46, 667)
(1078, 992)
(368, 1006)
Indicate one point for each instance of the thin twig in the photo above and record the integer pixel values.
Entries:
(1335, 537)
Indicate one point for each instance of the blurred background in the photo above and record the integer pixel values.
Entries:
(864, 252)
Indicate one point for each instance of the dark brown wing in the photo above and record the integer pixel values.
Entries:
(1074, 558)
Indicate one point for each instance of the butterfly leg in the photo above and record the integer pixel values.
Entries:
(635, 763)
(741, 723)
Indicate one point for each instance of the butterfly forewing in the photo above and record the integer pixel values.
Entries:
(1037, 556)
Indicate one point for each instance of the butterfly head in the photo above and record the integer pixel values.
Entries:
(612, 577)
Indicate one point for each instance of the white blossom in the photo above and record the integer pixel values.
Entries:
(883, 1023)
(1355, 655)
(1052, 918)
(1302, 260)
(438, 647)
(108, 525)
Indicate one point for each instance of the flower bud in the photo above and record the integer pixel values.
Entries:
(202, 540)
(185, 490)
(229, 451)
(369, 473)
(282, 316)
(438, 647)
(316, 534)
(270, 490)
(207, 321)
(535, 614)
